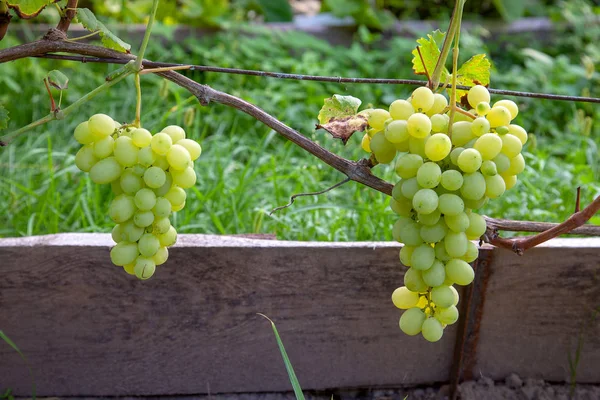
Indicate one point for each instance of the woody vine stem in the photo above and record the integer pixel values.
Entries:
(358, 171)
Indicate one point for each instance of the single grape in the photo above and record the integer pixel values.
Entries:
(475, 204)
(502, 163)
(502, 130)
(141, 137)
(510, 105)
(123, 253)
(402, 147)
(365, 143)
(509, 180)
(473, 187)
(175, 132)
(404, 298)
(169, 238)
(403, 207)
(439, 104)
(489, 145)
(477, 226)
(459, 272)
(161, 143)
(83, 135)
(132, 232)
(176, 196)
(457, 223)
(440, 251)
(429, 175)
(178, 157)
(406, 254)
(438, 147)
(472, 252)
(494, 186)
(160, 162)
(164, 189)
(411, 321)
(143, 218)
(408, 232)
(130, 183)
(439, 123)
(101, 125)
(425, 201)
(148, 245)
(456, 244)
(162, 208)
(442, 296)
(462, 133)
(454, 154)
(192, 147)
(422, 257)
(129, 268)
(519, 132)
(383, 149)
(145, 199)
(419, 125)
(448, 315)
(144, 268)
(451, 204)
(422, 99)
(517, 165)
(488, 168)
(483, 108)
(435, 275)
(511, 145)
(161, 225)
(185, 179)
(121, 208)
(429, 219)
(146, 156)
(104, 147)
(434, 233)
(397, 131)
(417, 146)
(498, 116)
(469, 160)
(480, 126)
(154, 177)
(126, 153)
(409, 188)
(161, 256)
(451, 180)
(401, 109)
(478, 94)
(85, 158)
(432, 330)
(408, 165)
(117, 234)
(377, 118)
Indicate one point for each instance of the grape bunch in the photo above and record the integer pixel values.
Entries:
(148, 174)
(444, 176)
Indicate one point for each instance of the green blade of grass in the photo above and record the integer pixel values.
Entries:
(286, 361)
(14, 346)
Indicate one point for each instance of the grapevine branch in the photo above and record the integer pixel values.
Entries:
(69, 13)
(358, 171)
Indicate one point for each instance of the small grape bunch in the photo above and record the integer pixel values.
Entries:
(148, 174)
(444, 176)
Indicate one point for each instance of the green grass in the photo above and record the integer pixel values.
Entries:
(246, 169)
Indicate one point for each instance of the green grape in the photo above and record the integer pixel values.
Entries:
(123, 253)
(178, 157)
(121, 208)
(489, 145)
(477, 226)
(164, 189)
(419, 125)
(383, 150)
(459, 272)
(502, 130)
(429, 175)
(498, 116)
(510, 105)
(439, 123)
(129, 268)
(83, 135)
(462, 133)
(429, 219)
(161, 162)
(185, 179)
(417, 146)
(145, 199)
(425, 201)
(408, 165)
(193, 148)
(451, 204)
(141, 137)
(144, 268)
(422, 257)
(132, 232)
(517, 165)
(404, 298)
(454, 154)
(143, 218)
(408, 234)
(432, 330)
(447, 316)
(443, 296)
(105, 171)
(146, 156)
(130, 183)
(126, 153)
(365, 143)
(469, 160)
(161, 225)
(401, 109)
(409, 188)
(488, 168)
(457, 223)
(161, 143)
(456, 244)
(519, 132)
(438, 147)
(509, 180)
(439, 104)
(175, 132)
(483, 108)
(403, 207)
(440, 250)
(494, 186)
(117, 234)
(161, 256)
(411, 321)
(422, 99)
(480, 126)
(377, 118)
(451, 180)
(169, 238)
(101, 125)
(475, 204)
(85, 158)
(406, 254)
(176, 196)
(434, 233)
(155, 177)
(148, 245)
(472, 252)
(397, 191)
(413, 280)
(478, 94)
(435, 275)
(502, 163)
(104, 147)
(473, 187)
(511, 145)
(397, 131)
(402, 147)
(162, 208)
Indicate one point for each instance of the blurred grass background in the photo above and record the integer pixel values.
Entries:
(246, 169)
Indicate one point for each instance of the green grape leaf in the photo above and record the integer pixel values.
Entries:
(339, 116)
(3, 117)
(26, 9)
(58, 80)
(109, 39)
(475, 71)
(431, 52)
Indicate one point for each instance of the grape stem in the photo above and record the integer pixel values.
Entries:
(293, 198)
(144, 45)
(67, 15)
(455, 21)
(453, 107)
(138, 104)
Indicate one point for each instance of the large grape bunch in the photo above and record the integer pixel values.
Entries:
(148, 174)
(444, 177)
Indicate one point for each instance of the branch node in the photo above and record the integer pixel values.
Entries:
(55, 35)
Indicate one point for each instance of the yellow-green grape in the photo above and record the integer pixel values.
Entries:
(483, 108)
(519, 132)
(161, 256)
(185, 179)
(85, 158)
(148, 245)
(451, 204)
(438, 147)
(143, 218)
(192, 147)
(439, 123)
(372, 131)
(411, 321)
(477, 226)
(155, 177)
(401, 110)
(429, 219)
(442, 296)
(377, 118)
(511, 145)
(409, 187)
(494, 186)
(404, 298)
(462, 133)
(451, 180)
(407, 232)
(435, 275)
(161, 143)
(161, 162)
(130, 183)
(457, 223)
(129, 268)
(509, 180)
(488, 168)
(121, 208)
(425, 201)
(469, 160)
(480, 126)
(162, 208)
(132, 232)
(123, 253)
(502, 130)
(456, 244)
(141, 137)
(104, 147)
(473, 187)
(178, 157)
(448, 315)
(471, 254)
(422, 99)
(419, 125)
(517, 165)
(117, 233)
(397, 131)
(434, 233)
(422, 257)
(105, 171)
(383, 150)
(502, 162)
(406, 254)
(168, 239)
(454, 154)
(175, 132)
(432, 330)
(439, 104)
(408, 165)
(403, 208)
(498, 116)
(146, 156)
(417, 145)
(429, 175)
(488, 145)
(161, 225)
(125, 132)
(161, 191)
(144, 268)
(145, 199)
(510, 105)
(460, 272)
(440, 251)
(176, 196)
(83, 135)
(179, 207)
(101, 125)
(365, 143)
(478, 94)
(126, 153)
